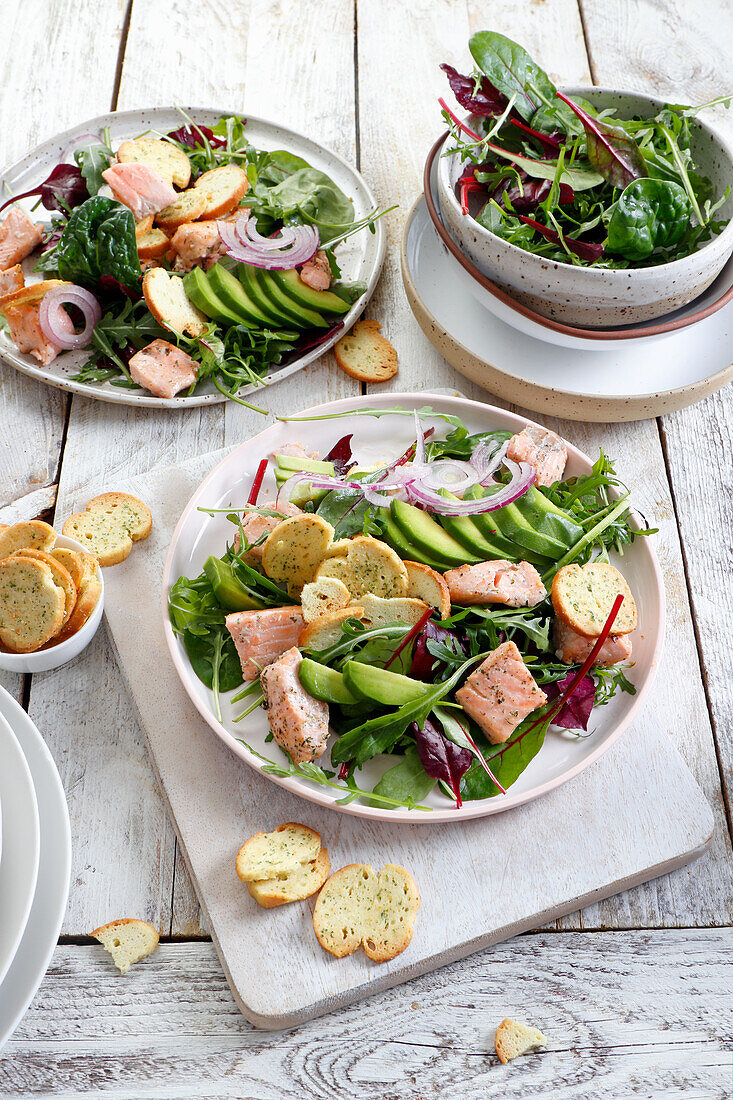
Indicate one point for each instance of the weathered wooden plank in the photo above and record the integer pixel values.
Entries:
(42, 39)
(635, 1014)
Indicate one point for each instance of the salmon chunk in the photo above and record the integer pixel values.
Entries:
(196, 244)
(163, 369)
(513, 584)
(317, 272)
(262, 636)
(11, 280)
(543, 449)
(294, 450)
(500, 693)
(26, 332)
(18, 237)
(299, 723)
(255, 526)
(139, 188)
(573, 648)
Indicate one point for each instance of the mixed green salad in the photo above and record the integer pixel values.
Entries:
(563, 180)
(391, 688)
(243, 256)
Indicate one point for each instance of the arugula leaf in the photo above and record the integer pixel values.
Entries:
(98, 240)
(92, 161)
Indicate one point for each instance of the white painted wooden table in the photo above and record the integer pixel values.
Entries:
(636, 993)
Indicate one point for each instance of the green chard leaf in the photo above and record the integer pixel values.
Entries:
(510, 69)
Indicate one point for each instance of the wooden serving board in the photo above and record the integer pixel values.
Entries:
(635, 814)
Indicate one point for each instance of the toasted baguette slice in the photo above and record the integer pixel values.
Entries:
(61, 577)
(321, 597)
(30, 295)
(127, 940)
(296, 886)
(104, 535)
(152, 245)
(365, 354)
(358, 908)
(132, 513)
(87, 600)
(582, 597)
(423, 583)
(32, 534)
(188, 207)
(276, 854)
(167, 160)
(367, 565)
(166, 298)
(143, 226)
(401, 609)
(513, 1038)
(326, 631)
(32, 605)
(295, 548)
(72, 561)
(223, 187)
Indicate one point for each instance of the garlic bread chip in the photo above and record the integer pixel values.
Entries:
(423, 583)
(328, 630)
(377, 611)
(295, 548)
(223, 188)
(367, 566)
(167, 160)
(189, 206)
(32, 605)
(61, 577)
(582, 597)
(166, 298)
(321, 597)
(32, 534)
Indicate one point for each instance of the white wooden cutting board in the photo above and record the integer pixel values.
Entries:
(635, 814)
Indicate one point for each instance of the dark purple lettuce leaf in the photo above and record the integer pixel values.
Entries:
(487, 101)
(425, 666)
(63, 189)
(340, 455)
(533, 192)
(191, 136)
(440, 758)
(587, 250)
(575, 712)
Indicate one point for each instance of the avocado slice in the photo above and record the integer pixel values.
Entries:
(208, 301)
(406, 550)
(502, 547)
(287, 465)
(247, 276)
(325, 301)
(545, 516)
(516, 526)
(421, 529)
(300, 314)
(379, 685)
(229, 592)
(324, 683)
(230, 291)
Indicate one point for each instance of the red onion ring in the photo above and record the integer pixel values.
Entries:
(293, 246)
(523, 476)
(55, 322)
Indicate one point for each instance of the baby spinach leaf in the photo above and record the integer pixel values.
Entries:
(512, 71)
(406, 780)
(649, 214)
(99, 239)
(305, 195)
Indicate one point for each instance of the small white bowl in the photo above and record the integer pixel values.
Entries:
(43, 660)
(595, 297)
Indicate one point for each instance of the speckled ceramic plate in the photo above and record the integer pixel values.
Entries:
(360, 257)
(631, 381)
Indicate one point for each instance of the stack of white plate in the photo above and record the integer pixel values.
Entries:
(35, 861)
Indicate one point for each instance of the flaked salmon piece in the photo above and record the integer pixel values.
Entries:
(299, 723)
(512, 584)
(573, 648)
(255, 526)
(18, 237)
(500, 693)
(163, 369)
(316, 273)
(543, 449)
(140, 188)
(196, 244)
(262, 636)
(26, 332)
(12, 279)
(294, 450)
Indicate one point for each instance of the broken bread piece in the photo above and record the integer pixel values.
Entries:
(295, 886)
(128, 940)
(365, 354)
(359, 908)
(320, 598)
(103, 535)
(514, 1038)
(277, 854)
(131, 512)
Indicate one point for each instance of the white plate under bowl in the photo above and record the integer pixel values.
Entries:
(631, 380)
(21, 847)
(519, 316)
(360, 257)
(198, 535)
(54, 870)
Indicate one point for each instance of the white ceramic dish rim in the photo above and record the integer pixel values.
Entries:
(22, 843)
(602, 274)
(640, 399)
(38, 660)
(470, 810)
(26, 364)
(52, 889)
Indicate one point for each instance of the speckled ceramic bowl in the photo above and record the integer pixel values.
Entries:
(594, 297)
